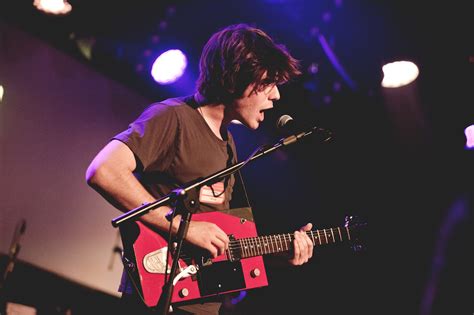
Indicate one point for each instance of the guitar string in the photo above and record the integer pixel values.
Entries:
(290, 237)
(273, 240)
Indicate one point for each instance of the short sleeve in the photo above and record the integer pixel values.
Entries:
(152, 137)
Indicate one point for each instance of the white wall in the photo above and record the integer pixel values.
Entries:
(55, 115)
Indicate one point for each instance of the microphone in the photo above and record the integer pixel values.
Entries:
(286, 122)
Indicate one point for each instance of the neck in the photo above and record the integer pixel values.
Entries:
(215, 117)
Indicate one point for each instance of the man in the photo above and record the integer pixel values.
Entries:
(178, 140)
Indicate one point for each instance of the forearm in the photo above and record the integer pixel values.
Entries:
(125, 192)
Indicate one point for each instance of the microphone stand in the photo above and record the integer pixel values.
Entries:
(10, 263)
(185, 200)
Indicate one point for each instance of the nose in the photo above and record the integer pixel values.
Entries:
(274, 94)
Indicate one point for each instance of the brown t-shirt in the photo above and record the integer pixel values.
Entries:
(174, 145)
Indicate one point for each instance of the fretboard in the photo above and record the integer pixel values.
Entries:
(271, 244)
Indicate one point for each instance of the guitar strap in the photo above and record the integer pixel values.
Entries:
(242, 199)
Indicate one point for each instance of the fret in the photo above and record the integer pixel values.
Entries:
(242, 247)
(280, 246)
(246, 247)
(270, 246)
(261, 245)
(258, 241)
(265, 245)
(249, 242)
(254, 247)
(249, 248)
(258, 245)
(319, 237)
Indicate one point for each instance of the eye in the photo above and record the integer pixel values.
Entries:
(269, 88)
(265, 87)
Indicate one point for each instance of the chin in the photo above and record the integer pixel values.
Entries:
(251, 125)
(255, 125)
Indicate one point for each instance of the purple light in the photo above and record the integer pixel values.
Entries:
(169, 66)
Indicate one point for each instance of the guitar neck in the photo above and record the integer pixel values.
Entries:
(279, 243)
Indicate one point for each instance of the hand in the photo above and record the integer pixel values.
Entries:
(302, 246)
(208, 236)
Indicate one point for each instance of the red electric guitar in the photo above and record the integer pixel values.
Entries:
(240, 268)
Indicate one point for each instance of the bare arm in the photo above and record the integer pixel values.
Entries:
(111, 174)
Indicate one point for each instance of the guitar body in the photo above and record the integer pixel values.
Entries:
(145, 251)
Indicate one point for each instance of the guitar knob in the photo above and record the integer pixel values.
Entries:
(183, 292)
(255, 273)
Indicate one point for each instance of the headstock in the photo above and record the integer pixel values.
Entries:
(358, 231)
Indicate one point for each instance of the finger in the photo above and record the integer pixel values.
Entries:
(222, 236)
(307, 227)
(305, 246)
(309, 246)
(219, 245)
(212, 250)
(298, 249)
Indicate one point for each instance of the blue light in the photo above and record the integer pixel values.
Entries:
(169, 66)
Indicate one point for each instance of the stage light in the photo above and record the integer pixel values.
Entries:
(469, 133)
(399, 73)
(85, 46)
(1, 92)
(169, 66)
(53, 6)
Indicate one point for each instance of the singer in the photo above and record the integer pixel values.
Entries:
(177, 140)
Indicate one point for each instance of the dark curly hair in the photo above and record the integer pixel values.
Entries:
(238, 56)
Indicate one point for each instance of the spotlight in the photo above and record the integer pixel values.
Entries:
(399, 73)
(169, 66)
(53, 6)
(469, 133)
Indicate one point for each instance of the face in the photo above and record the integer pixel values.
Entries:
(249, 109)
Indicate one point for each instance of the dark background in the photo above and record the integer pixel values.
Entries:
(397, 159)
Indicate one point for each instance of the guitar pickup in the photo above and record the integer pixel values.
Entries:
(233, 253)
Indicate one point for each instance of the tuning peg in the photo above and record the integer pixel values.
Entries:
(357, 247)
(348, 220)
